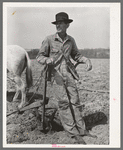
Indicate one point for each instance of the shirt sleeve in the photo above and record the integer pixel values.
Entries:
(43, 52)
(75, 54)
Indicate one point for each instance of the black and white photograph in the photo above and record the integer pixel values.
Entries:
(61, 64)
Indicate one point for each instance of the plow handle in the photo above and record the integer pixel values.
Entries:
(44, 98)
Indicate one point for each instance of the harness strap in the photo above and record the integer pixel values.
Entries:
(11, 80)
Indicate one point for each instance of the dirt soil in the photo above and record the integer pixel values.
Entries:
(22, 128)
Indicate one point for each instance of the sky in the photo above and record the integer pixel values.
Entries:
(28, 26)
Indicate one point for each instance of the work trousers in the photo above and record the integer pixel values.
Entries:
(65, 90)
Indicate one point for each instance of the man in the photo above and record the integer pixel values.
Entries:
(56, 51)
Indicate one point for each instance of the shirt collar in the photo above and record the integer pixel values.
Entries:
(56, 37)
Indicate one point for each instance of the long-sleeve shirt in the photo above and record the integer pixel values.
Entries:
(52, 47)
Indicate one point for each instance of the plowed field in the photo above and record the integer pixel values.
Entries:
(94, 95)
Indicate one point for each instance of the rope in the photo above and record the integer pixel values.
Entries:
(35, 83)
(35, 91)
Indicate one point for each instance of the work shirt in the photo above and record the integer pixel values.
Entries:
(52, 47)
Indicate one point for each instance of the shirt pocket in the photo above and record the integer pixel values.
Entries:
(55, 48)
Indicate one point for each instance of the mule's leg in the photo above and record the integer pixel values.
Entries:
(16, 95)
(23, 98)
(18, 83)
(20, 87)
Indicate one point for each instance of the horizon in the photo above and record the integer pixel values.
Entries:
(78, 48)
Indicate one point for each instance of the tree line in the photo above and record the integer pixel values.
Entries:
(90, 53)
(96, 53)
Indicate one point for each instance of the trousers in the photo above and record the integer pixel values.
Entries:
(66, 93)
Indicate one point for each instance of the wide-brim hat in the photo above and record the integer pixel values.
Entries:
(62, 16)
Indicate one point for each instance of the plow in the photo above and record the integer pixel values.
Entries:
(36, 104)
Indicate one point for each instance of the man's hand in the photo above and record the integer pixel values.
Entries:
(86, 61)
(49, 61)
(88, 65)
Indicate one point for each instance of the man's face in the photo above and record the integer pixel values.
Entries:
(61, 27)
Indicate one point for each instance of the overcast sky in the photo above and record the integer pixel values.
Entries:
(28, 26)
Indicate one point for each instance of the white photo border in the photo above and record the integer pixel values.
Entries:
(115, 78)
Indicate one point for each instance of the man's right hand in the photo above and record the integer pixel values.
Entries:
(49, 61)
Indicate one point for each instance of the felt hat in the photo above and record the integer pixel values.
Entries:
(62, 16)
